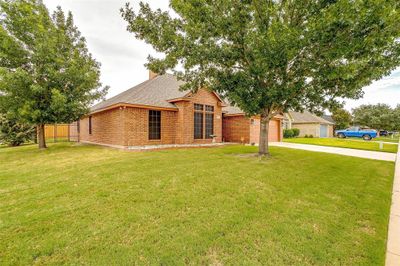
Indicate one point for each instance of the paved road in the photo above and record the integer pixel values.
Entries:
(376, 155)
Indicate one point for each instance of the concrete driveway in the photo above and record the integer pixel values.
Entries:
(375, 155)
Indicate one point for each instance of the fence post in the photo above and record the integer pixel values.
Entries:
(69, 137)
(55, 133)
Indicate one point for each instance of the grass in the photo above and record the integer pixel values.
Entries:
(82, 204)
(395, 139)
(345, 143)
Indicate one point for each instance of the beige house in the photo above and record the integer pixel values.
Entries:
(309, 124)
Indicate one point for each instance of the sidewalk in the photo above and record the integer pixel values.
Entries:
(375, 155)
(393, 242)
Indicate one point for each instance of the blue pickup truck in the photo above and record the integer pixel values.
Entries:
(356, 132)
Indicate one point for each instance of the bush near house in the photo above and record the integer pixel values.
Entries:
(296, 132)
(288, 133)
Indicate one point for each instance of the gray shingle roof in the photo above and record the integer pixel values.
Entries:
(154, 92)
(232, 110)
(328, 118)
(306, 117)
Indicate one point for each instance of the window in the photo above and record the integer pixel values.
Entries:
(203, 121)
(198, 107)
(209, 125)
(198, 125)
(90, 125)
(209, 108)
(154, 125)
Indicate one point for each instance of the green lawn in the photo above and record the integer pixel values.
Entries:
(345, 143)
(74, 204)
(395, 139)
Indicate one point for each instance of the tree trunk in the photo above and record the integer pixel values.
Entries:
(263, 147)
(41, 137)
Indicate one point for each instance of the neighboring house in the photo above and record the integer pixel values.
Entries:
(155, 112)
(239, 128)
(309, 124)
(329, 118)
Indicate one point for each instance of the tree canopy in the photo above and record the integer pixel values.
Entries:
(379, 116)
(342, 118)
(14, 133)
(396, 118)
(47, 74)
(267, 57)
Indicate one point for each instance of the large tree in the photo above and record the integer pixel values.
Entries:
(396, 118)
(379, 116)
(342, 118)
(47, 74)
(270, 56)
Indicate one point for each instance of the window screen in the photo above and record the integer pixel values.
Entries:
(90, 125)
(198, 125)
(154, 124)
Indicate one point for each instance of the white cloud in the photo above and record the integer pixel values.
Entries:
(123, 57)
(386, 90)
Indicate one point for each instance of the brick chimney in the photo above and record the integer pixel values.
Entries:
(152, 74)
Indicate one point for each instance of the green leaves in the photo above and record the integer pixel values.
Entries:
(342, 118)
(379, 116)
(13, 132)
(47, 74)
(271, 56)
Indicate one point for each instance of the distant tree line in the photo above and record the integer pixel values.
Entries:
(377, 116)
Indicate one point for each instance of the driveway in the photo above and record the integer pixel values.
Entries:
(375, 155)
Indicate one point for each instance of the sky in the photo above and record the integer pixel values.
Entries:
(123, 57)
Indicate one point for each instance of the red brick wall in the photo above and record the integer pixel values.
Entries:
(236, 129)
(107, 127)
(242, 129)
(137, 127)
(185, 132)
(128, 126)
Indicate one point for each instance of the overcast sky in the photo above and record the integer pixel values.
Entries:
(123, 57)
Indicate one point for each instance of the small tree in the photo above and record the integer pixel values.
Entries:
(47, 74)
(342, 118)
(379, 116)
(271, 56)
(13, 132)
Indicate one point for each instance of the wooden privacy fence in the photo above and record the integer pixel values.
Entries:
(60, 132)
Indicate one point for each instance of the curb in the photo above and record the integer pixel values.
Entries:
(393, 241)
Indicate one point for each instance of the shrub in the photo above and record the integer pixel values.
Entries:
(296, 132)
(14, 133)
(306, 136)
(310, 136)
(288, 133)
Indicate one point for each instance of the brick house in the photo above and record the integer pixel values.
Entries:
(239, 128)
(157, 112)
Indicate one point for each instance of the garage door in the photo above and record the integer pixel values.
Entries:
(323, 132)
(273, 134)
(274, 131)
